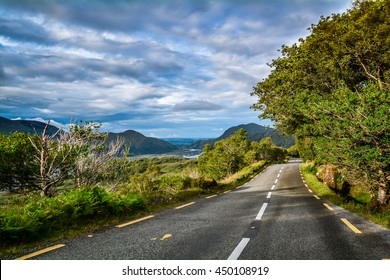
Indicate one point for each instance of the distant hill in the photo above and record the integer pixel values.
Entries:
(142, 145)
(255, 133)
(8, 126)
(138, 143)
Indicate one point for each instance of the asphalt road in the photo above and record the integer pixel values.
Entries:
(275, 216)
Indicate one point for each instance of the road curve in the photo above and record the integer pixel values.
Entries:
(275, 216)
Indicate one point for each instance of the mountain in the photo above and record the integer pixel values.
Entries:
(255, 133)
(138, 143)
(142, 145)
(8, 126)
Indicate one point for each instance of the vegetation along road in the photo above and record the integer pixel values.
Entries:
(275, 216)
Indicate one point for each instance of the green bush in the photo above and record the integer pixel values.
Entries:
(205, 184)
(18, 165)
(171, 183)
(293, 151)
(310, 166)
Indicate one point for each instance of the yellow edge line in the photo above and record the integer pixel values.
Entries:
(327, 206)
(134, 221)
(211, 196)
(166, 236)
(41, 252)
(310, 190)
(351, 226)
(185, 205)
(316, 197)
(227, 191)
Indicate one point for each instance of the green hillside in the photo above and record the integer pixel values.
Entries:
(30, 127)
(255, 133)
(142, 145)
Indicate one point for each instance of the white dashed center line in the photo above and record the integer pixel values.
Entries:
(241, 246)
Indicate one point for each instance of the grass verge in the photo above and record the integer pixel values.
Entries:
(89, 222)
(356, 202)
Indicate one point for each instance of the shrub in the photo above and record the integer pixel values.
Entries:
(42, 217)
(310, 167)
(171, 183)
(293, 151)
(18, 166)
(205, 184)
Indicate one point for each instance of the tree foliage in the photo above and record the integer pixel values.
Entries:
(225, 157)
(332, 90)
(44, 161)
(95, 157)
(18, 167)
(229, 155)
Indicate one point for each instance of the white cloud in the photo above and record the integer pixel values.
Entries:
(52, 122)
(133, 65)
(44, 110)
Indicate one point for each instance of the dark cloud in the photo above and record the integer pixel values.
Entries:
(23, 30)
(2, 73)
(74, 68)
(126, 16)
(51, 68)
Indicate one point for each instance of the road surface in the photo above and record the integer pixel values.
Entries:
(275, 216)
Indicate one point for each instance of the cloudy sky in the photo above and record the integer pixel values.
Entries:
(164, 68)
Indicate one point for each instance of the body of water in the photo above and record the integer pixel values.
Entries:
(180, 142)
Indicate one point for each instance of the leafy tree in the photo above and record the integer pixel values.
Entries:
(332, 91)
(355, 133)
(266, 150)
(17, 163)
(226, 157)
(342, 50)
(92, 154)
(293, 151)
(252, 156)
(230, 155)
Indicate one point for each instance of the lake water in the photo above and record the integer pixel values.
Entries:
(180, 142)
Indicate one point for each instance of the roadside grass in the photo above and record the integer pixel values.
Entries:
(237, 179)
(27, 221)
(356, 202)
(91, 223)
(244, 175)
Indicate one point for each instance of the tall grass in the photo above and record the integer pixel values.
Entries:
(244, 174)
(356, 202)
